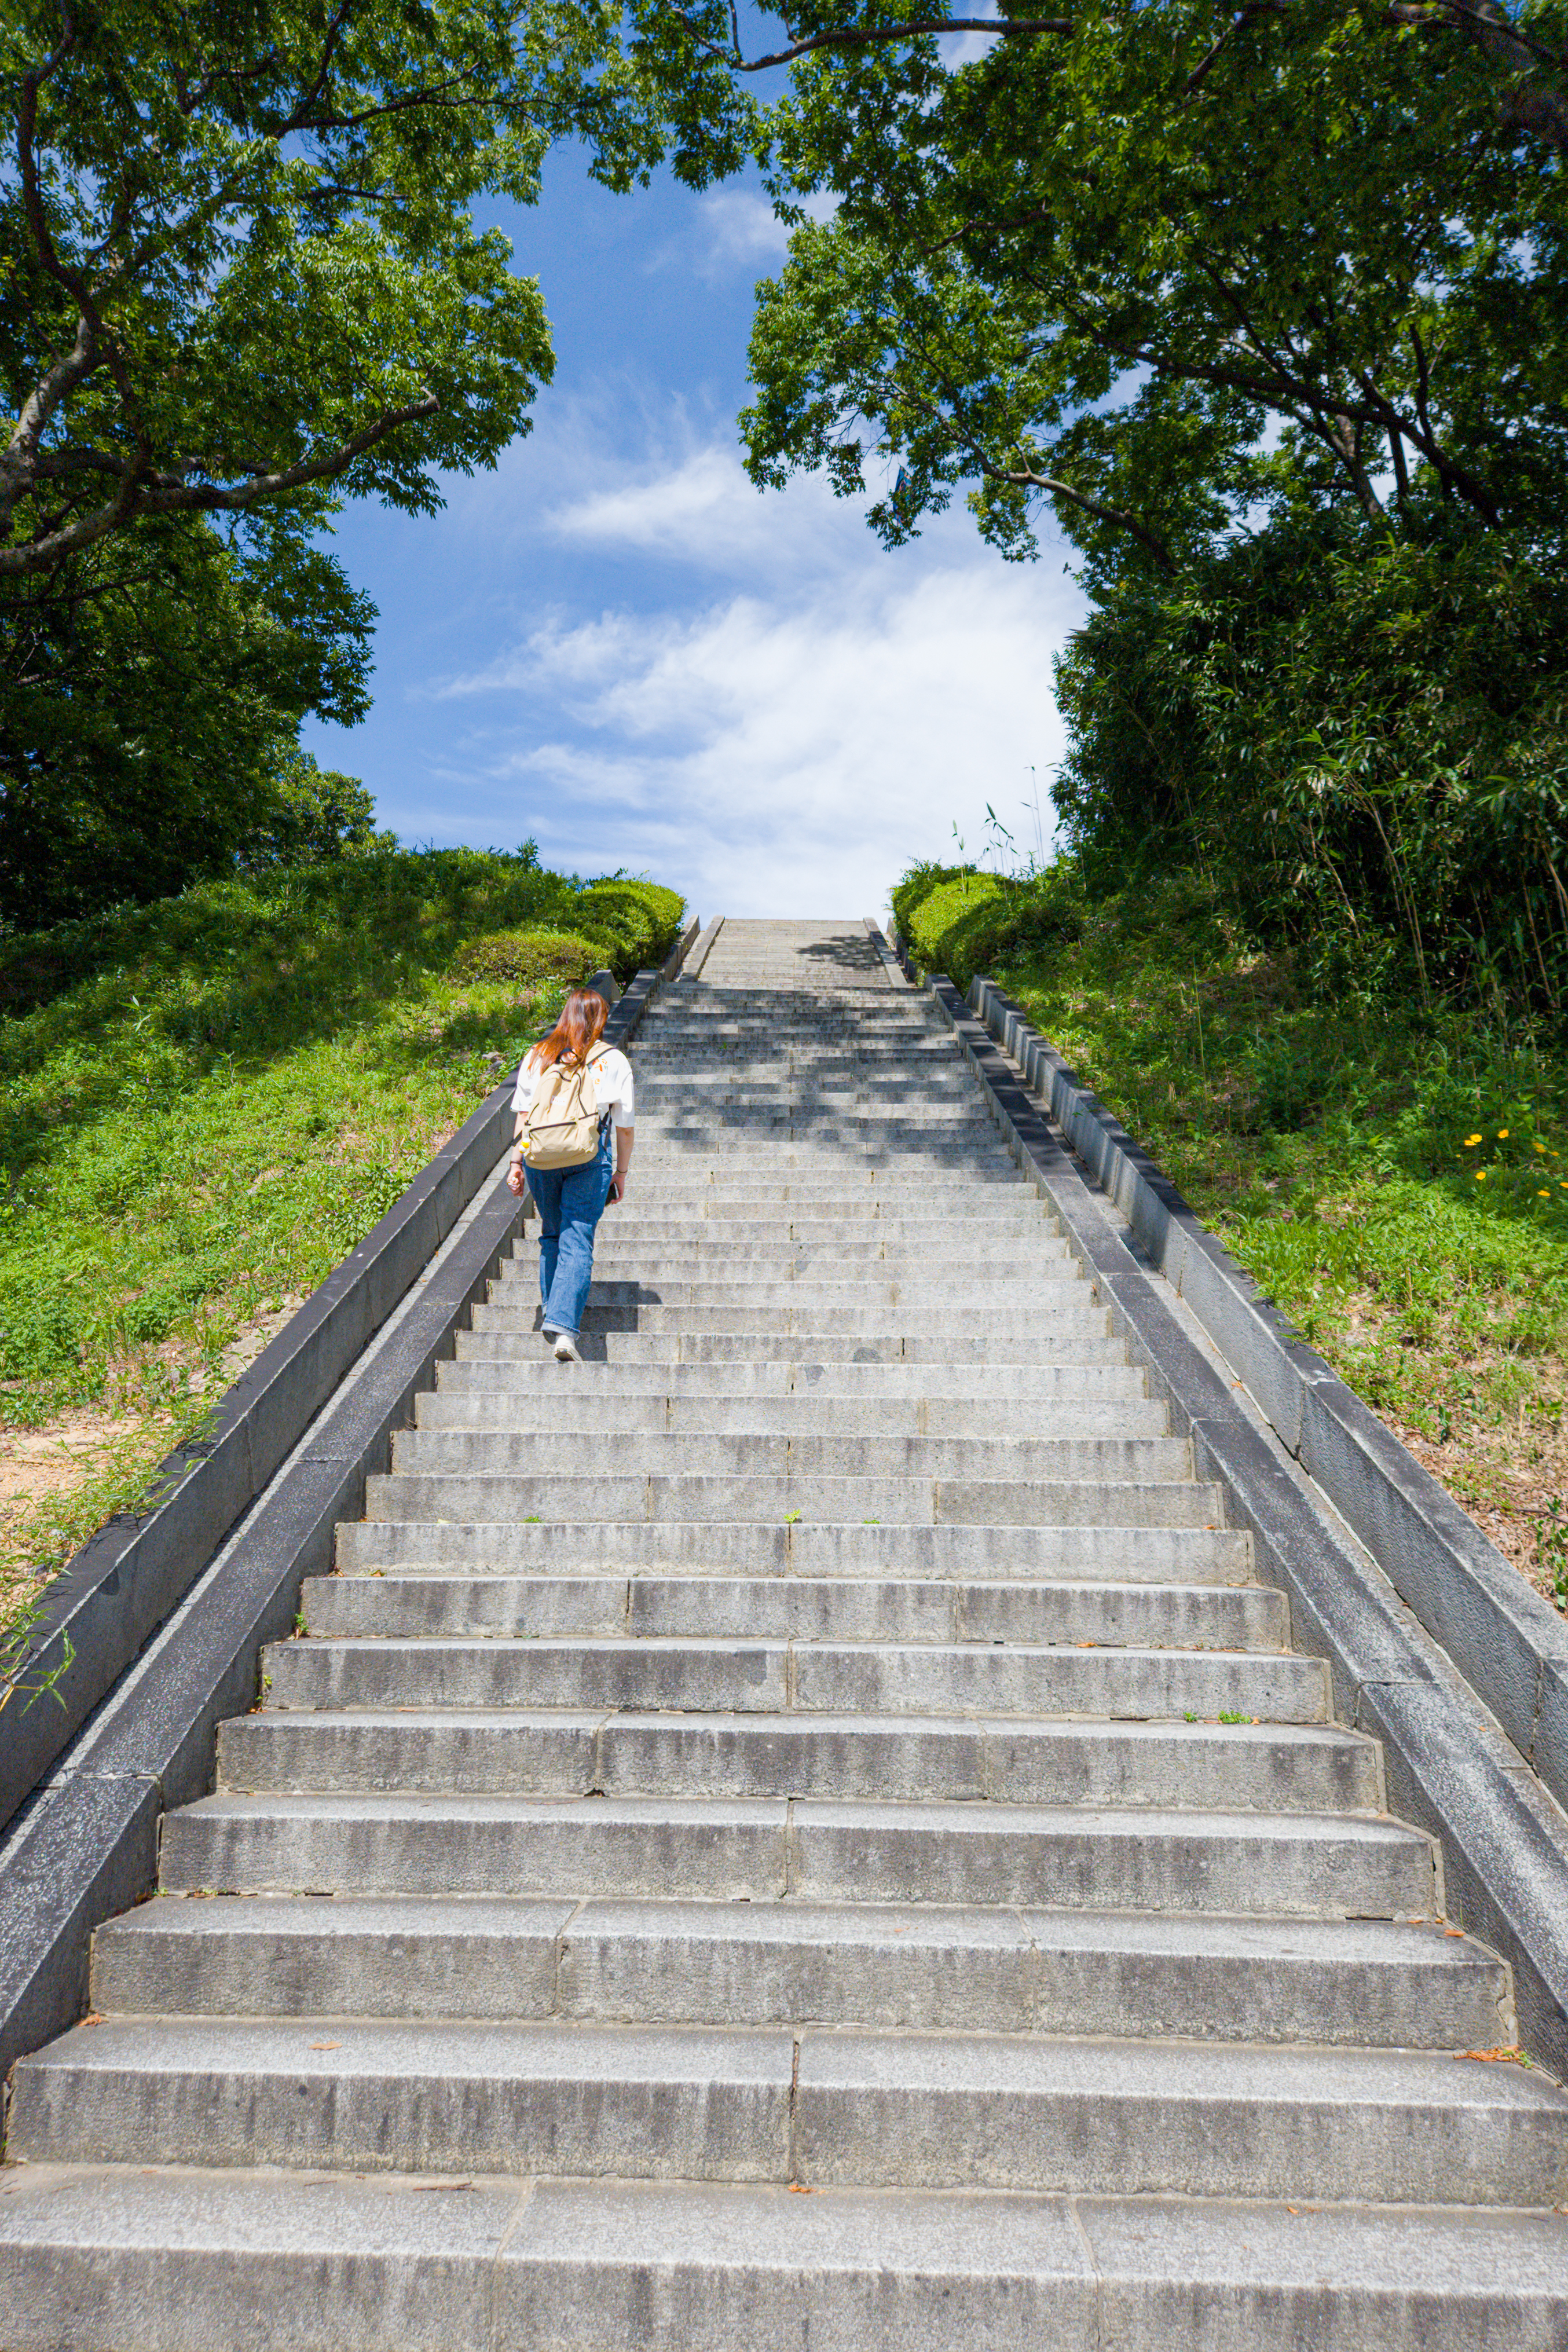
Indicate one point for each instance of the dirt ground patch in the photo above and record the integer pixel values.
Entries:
(1511, 1479)
(38, 1462)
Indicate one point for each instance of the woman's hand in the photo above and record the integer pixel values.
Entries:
(517, 1179)
(618, 1185)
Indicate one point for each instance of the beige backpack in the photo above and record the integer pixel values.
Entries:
(561, 1126)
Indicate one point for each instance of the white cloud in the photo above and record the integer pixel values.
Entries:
(786, 748)
(734, 229)
(704, 510)
(964, 48)
(740, 229)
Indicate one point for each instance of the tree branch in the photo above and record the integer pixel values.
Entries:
(38, 221)
(1024, 477)
(862, 36)
(142, 492)
(1542, 112)
(335, 26)
(20, 459)
(1200, 72)
(1117, 516)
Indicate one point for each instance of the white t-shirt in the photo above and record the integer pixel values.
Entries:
(612, 1085)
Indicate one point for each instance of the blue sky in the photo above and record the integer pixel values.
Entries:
(615, 643)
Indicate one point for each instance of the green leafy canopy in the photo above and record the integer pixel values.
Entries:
(1163, 265)
(240, 265)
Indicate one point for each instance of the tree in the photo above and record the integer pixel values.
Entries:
(239, 264)
(150, 693)
(316, 815)
(1267, 307)
(1166, 264)
(239, 285)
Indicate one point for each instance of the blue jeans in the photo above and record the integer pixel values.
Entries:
(570, 1202)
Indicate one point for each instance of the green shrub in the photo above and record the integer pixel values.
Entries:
(524, 958)
(959, 921)
(642, 919)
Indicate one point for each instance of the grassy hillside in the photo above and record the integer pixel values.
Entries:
(1396, 1179)
(205, 1103)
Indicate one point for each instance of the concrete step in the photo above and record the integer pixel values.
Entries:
(133, 2260)
(461, 1452)
(732, 1186)
(838, 1608)
(873, 1294)
(927, 1115)
(1011, 1759)
(513, 1362)
(498, 1402)
(930, 1113)
(873, 1089)
(817, 1677)
(622, 1258)
(1080, 1336)
(823, 1165)
(830, 1139)
(850, 1193)
(704, 1547)
(860, 1226)
(910, 1502)
(845, 1142)
(932, 1116)
(856, 2107)
(806, 1321)
(758, 1848)
(893, 1074)
(1361, 1983)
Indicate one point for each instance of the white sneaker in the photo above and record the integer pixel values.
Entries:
(566, 1349)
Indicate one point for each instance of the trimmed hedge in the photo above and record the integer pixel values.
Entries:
(525, 958)
(640, 921)
(961, 922)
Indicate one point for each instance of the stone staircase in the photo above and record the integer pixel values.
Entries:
(802, 1834)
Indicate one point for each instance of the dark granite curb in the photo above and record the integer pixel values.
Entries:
(1505, 1874)
(680, 951)
(703, 948)
(84, 1845)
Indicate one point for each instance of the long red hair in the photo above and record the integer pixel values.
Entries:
(583, 1016)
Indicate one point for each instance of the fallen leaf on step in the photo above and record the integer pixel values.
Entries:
(93, 2017)
(1453, 1931)
(326, 2046)
(1495, 2057)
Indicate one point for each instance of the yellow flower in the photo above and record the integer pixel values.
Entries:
(1481, 1176)
(1543, 1194)
(1538, 1147)
(1469, 1139)
(1502, 1135)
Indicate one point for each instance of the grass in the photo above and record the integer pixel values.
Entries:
(203, 1105)
(1397, 1180)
